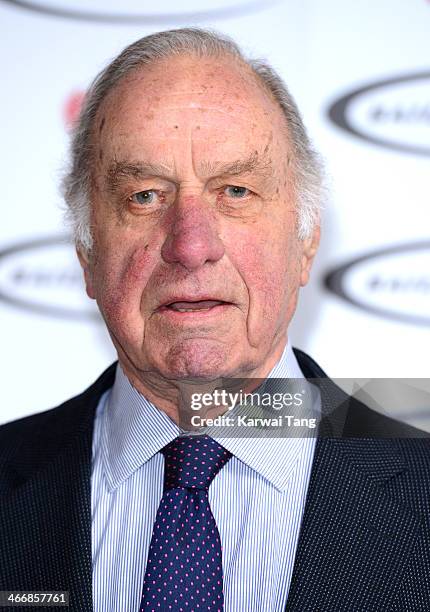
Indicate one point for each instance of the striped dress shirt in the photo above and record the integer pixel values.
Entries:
(257, 500)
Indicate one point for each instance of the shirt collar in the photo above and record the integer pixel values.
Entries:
(274, 458)
(134, 430)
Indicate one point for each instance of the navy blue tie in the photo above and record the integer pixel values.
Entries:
(184, 569)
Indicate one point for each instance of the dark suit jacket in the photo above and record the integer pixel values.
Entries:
(364, 543)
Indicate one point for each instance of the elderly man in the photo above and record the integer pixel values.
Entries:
(194, 193)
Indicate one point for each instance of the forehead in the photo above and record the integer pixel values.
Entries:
(213, 102)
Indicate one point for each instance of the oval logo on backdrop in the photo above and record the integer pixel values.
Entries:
(392, 282)
(132, 11)
(393, 113)
(44, 276)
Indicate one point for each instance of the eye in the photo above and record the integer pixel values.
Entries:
(144, 197)
(234, 191)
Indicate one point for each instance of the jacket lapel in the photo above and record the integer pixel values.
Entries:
(45, 507)
(355, 536)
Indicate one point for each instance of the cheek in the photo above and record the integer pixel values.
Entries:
(269, 266)
(271, 282)
(121, 278)
(267, 263)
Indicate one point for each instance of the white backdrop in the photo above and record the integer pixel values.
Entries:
(360, 72)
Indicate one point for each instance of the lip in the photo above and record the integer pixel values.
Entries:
(193, 314)
(191, 298)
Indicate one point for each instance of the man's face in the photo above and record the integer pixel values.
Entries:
(196, 264)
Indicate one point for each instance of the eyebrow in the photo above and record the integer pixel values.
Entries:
(255, 163)
(121, 170)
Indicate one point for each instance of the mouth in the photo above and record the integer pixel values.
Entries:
(194, 306)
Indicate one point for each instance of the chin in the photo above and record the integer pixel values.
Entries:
(197, 360)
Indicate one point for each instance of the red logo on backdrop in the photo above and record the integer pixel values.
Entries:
(72, 107)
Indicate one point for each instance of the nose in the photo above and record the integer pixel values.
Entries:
(192, 238)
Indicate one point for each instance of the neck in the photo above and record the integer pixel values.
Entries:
(179, 398)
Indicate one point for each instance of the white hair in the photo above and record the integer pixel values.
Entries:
(77, 180)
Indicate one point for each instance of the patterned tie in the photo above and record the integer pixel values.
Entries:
(184, 569)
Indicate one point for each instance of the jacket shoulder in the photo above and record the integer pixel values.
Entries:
(49, 428)
(349, 417)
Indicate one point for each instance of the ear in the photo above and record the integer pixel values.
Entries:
(86, 267)
(309, 249)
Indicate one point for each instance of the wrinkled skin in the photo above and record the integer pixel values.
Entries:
(171, 141)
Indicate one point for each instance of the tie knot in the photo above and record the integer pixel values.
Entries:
(193, 462)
